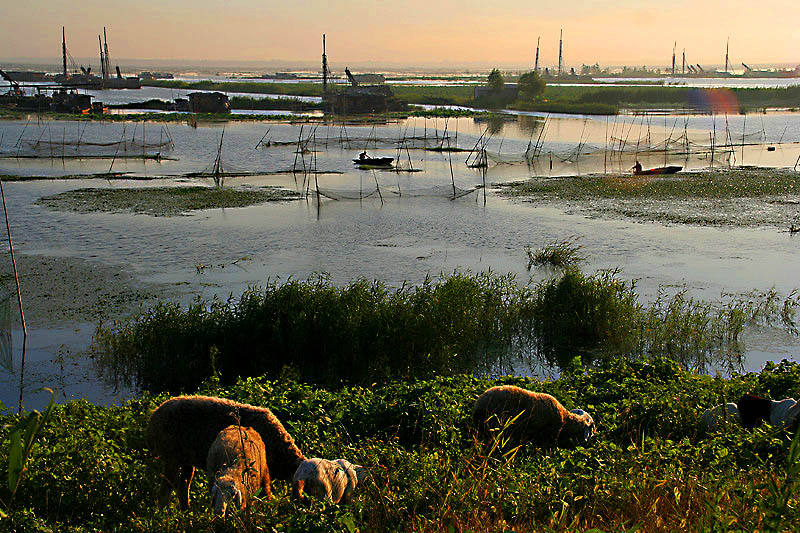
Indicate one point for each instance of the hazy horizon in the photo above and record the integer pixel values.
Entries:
(447, 35)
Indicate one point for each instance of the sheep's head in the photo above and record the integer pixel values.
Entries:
(753, 410)
(361, 473)
(225, 493)
(583, 424)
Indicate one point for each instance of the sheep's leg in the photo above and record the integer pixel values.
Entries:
(297, 491)
(169, 481)
(187, 473)
(265, 485)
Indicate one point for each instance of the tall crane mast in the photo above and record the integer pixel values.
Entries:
(64, 51)
(324, 67)
(536, 65)
(105, 46)
(560, 52)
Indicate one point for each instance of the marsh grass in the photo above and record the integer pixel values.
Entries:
(367, 331)
(557, 254)
(160, 201)
(739, 197)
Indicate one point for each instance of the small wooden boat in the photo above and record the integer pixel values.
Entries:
(374, 161)
(657, 171)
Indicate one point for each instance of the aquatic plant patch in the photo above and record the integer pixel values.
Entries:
(161, 201)
(736, 197)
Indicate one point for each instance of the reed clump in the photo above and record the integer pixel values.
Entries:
(367, 331)
(359, 333)
(557, 254)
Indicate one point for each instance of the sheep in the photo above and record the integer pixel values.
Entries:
(180, 432)
(321, 478)
(533, 416)
(755, 409)
(237, 468)
(718, 416)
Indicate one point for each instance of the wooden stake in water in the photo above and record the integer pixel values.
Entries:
(744, 125)
(19, 299)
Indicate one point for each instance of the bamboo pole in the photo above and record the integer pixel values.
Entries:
(19, 299)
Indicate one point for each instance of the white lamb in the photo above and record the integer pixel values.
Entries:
(335, 480)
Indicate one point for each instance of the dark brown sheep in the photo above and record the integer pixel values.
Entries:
(180, 432)
(237, 468)
(531, 417)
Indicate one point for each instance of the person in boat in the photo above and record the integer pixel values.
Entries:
(637, 168)
(363, 155)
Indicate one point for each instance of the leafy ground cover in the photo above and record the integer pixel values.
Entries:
(648, 469)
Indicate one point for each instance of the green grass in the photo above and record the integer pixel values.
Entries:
(738, 183)
(558, 254)
(737, 197)
(646, 470)
(160, 201)
(367, 332)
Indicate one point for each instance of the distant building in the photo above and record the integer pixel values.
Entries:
(360, 100)
(209, 103)
(370, 79)
(510, 91)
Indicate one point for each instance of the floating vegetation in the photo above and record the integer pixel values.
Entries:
(483, 323)
(161, 201)
(736, 197)
(558, 254)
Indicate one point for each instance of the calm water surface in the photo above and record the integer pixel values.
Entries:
(404, 238)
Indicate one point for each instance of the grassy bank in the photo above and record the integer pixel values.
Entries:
(556, 98)
(191, 118)
(737, 197)
(366, 331)
(648, 469)
(160, 201)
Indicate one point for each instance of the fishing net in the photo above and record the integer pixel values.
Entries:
(440, 191)
(5, 329)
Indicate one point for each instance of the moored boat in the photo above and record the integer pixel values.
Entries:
(658, 170)
(374, 161)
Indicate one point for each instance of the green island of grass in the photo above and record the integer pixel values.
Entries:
(746, 196)
(161, 201)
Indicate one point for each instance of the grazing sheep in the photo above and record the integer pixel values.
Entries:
(540, 418)
(180, 431)
(755, 409)
(237, 468)
(321, 478)
(718, 416)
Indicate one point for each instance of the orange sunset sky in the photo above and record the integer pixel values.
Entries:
(413, 32)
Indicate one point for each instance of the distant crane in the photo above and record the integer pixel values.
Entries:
(324, 67)
(15, 88)
(673, 57)
(727, 46)
(350, 77)
(560, 52)
(536, 65)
